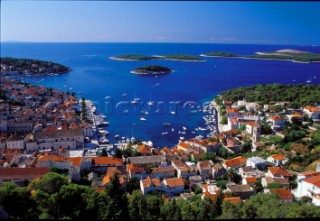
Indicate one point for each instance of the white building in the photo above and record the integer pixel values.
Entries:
(310, 187)
(255, 162)
(53, 140)
(15, 142)
(312, 112)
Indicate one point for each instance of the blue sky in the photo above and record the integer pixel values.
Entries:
(161, 21)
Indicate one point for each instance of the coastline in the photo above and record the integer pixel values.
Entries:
(216, 106)
(155, 57)
(303, 62)
(151, 73)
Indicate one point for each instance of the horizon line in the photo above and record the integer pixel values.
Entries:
(148, 42)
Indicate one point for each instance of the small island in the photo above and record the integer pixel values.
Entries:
(132, 57)
(285, 54)
(140, 57)
(32, 67)
(151, 70)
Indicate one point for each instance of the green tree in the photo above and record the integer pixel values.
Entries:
(170, 211)
(210, 156)
(262, 206)
(118, 153)
(189, 211)
(204, 207)
(231, 210)
(216, 209)
(153, 206)
(117, 203)
(275, 185)
(17, 202)
(137, 205)
(224, 120)
(83, 202)
(133, 184)
(47, 194)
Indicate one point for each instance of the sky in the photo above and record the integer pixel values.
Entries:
(292, 23)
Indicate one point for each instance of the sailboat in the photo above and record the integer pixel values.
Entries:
(135, 100)
(150, 102)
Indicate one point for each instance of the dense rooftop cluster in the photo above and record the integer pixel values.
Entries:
(42, 130)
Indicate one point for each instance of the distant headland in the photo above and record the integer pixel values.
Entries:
(33, 67)
(173, 57)
(151, 70)
(285, 54)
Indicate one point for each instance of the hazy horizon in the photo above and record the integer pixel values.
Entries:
(275, 23)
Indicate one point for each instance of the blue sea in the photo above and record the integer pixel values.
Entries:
(109, 84)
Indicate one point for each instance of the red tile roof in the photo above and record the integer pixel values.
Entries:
(174, 182)
(183, 144)
(278, 157)
(144, 149)
(107, 160)
(309, 173)
(17, 173)
(278, 171)
(148, 181)
(51, 157)
(251, 180)
(235, 161)
(277, 118)
(76, 161)
(315, 180)
(312, 109)
(283, 193)
(232, 199)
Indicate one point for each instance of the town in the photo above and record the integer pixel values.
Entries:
(44, 130)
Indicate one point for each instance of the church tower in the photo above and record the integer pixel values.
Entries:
(256, 131)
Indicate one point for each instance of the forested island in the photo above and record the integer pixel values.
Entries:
(285, 54)
(140, 57)
(151, 70)
(32, 67)
(297, 95)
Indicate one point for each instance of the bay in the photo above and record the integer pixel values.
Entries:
(106, 81)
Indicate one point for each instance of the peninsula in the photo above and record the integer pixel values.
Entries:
(173, 57)
(285, 54)
(151, 70)
(31, 67)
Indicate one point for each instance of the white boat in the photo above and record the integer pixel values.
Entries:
(102, 123)
(166, 124)
(173, 112)
(103, 140)
(183, 132)
(184, 128)
(135, 100)
(116, 136)
(172, 129)
(164, 133)
(143, 119)
(181, 138)
(133, 139)
(103, 132)
(150, 102)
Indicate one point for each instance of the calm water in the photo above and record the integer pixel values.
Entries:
(110, 85)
